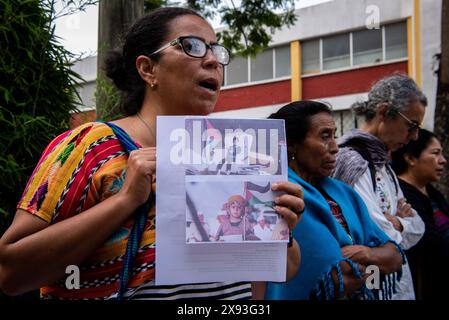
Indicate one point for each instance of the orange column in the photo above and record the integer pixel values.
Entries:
(295, 63)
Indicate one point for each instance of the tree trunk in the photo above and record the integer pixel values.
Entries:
(114, 19)
(442, 103)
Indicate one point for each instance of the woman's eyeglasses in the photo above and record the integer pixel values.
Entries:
(412, 125)
(197, 48)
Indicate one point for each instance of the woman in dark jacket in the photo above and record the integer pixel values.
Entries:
(418, 164)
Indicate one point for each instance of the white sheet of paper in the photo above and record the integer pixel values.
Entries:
(178, 262)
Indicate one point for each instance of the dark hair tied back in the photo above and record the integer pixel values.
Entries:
(297, 118)
(143, 38)
(362, 108)
(115, 69)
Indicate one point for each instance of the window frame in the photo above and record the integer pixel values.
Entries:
(225, 75)
(250, 82)
(349, 39)
(351, 52)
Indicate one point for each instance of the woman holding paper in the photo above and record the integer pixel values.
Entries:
(89, 202)
(338, 239)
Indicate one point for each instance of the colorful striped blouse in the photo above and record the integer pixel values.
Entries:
(79, 169)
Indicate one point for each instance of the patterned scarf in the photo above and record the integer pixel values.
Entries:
(351, 165)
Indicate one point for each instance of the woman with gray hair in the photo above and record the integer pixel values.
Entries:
(393, 114)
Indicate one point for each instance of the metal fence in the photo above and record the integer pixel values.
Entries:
(345, 120)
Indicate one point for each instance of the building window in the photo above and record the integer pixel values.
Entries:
(336, 51)
(367, 46)
(396, 41)
(310, 56)
(361, 47)
(271, 64)
(237, 71)
(282, 61)
(262, 66)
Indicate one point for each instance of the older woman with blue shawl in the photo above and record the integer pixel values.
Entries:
(338, 239)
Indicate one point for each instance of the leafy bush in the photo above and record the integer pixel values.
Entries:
(37, 93)
(109, 108)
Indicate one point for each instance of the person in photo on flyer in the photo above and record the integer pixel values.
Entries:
(235, 226)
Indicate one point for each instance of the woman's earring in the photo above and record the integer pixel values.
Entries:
(292, 157)
(152, 84)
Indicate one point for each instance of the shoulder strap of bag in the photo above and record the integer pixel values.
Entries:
(141, 216)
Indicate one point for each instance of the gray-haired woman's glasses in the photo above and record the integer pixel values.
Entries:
(412, 125)
(197, 48)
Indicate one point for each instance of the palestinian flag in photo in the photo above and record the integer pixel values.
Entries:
(213, 135)
(258, 194)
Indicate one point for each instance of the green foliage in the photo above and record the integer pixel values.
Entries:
(248, 28)
(254, 21)
(150, 5)
(109, 109)
(72, 6)
(37, 93)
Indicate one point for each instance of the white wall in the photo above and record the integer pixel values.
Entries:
(341, 15)
(87, 69)
(257, 112)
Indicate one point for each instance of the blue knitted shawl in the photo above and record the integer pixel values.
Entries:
(321, 237)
